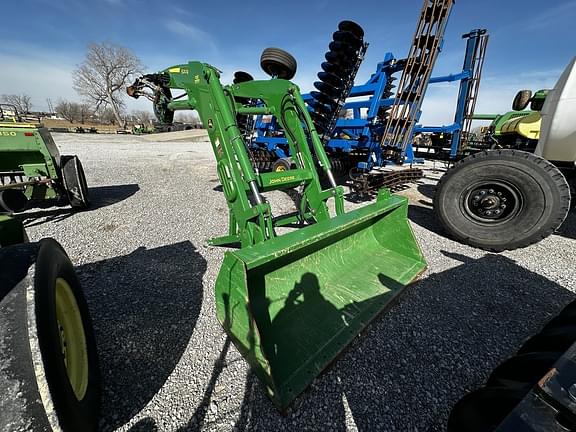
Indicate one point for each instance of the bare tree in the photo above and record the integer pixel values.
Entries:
(104, 75)
(190, 118)
(107, 116)
(141, 117)
(67, 110)
(22, 102)
(85, 111)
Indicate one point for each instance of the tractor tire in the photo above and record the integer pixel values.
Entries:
(75, 182)
(502, 200)
(278, 63)
(241, 76)
(282, 164)
(49, 374)
(484, 409)
(521, 100)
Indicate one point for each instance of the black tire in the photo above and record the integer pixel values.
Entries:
(523, 370)
(13, 200)
(75, 182)
(521, 100)
(483, 410)
(278, 63)
(551, 339)
(522, 200)
(36, 390)
(241, 76)
(282, 164)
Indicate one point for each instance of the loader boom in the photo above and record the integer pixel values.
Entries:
(290, 302)
(250, 216)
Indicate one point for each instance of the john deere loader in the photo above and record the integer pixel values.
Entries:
(518, 193)
(289, 302)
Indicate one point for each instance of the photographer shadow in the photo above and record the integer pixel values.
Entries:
(144, 308)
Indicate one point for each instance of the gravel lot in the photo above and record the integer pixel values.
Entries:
(142, 258)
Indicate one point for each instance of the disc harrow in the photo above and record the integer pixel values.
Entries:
(346, 52)
(367, 184)
(262, 159)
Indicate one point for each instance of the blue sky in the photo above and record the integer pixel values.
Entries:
(530, 40)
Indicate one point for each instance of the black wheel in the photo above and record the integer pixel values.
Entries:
(551, 339)
(282, 164)
(484, 409)
(75, 182)
(241, 76)
(13, 200)
(278, 63)
(523, 370)
(521, 100)
(502, 200)
(49, 379)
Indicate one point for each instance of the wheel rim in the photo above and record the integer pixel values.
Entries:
(72, 338)
(280, 168)
(492, 202)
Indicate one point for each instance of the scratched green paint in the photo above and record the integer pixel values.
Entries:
(293, 303)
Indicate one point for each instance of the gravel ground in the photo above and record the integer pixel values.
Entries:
(142, 258)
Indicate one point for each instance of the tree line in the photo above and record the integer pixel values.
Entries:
(101, 81)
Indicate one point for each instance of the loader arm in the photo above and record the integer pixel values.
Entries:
(290, 302)
(250, 216)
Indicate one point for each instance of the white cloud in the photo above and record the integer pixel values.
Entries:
(43, 75)
(552, 16)
(495, 96)
(193, 34)
(36, 77)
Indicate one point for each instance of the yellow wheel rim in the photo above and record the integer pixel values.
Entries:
(72, 338)
(280, 168)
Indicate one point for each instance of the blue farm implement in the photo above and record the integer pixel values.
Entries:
(368, 128)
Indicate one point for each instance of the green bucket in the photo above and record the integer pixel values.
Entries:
(291, 304)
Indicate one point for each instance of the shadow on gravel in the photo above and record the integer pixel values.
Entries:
(428, 190)
(145, 425)
(425, 217)
(413, 363)
(568, 228)
(101, 196)
(144, 308)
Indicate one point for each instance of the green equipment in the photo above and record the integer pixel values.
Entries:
(518, 129)
(49, 374)
(289, 302)
(31, 168)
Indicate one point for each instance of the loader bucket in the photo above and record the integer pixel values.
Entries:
(291, 304)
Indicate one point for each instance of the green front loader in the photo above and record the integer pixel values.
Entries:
(289, 302)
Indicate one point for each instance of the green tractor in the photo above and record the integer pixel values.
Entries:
(31, 168)
(49, 375)
(517, 129)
